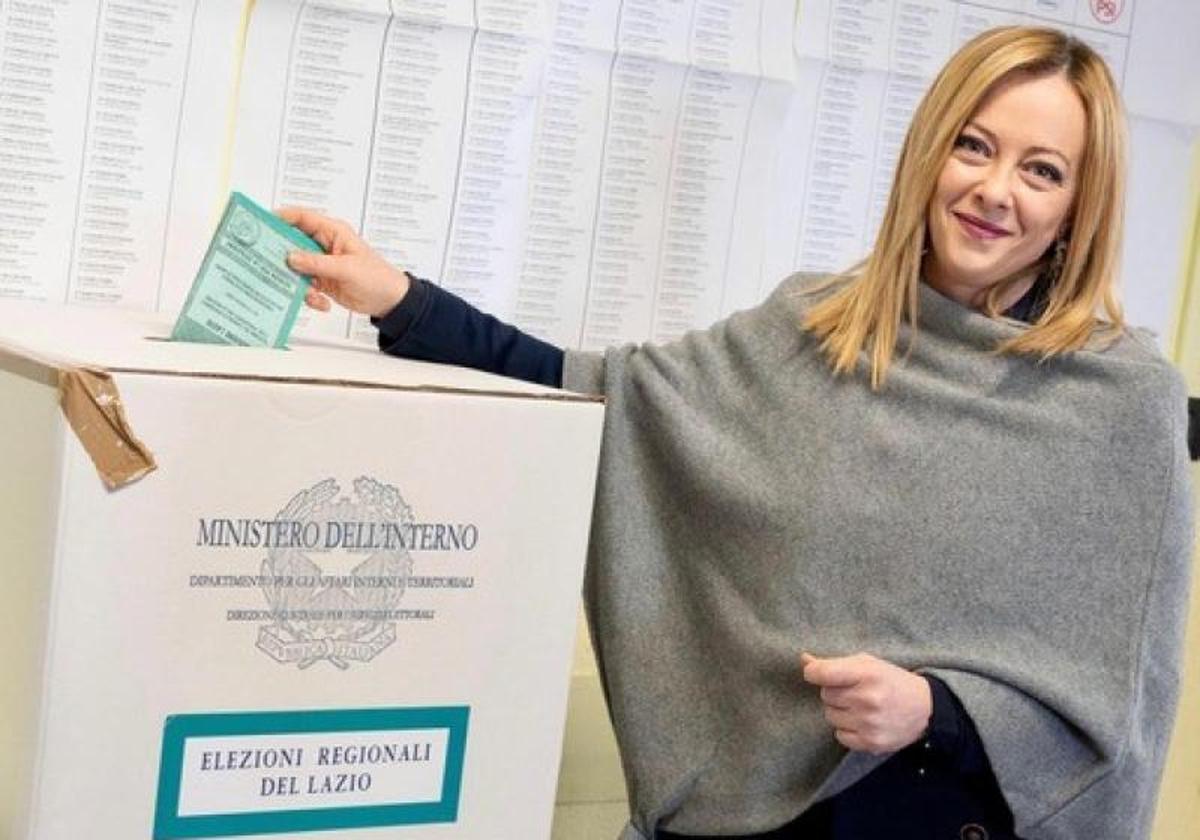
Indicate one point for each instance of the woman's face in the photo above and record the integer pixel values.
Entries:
(1005, 192)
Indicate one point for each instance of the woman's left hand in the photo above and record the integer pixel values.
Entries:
(872, 705)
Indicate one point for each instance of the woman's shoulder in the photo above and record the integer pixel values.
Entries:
(1135, 353)
(1137, 383)
(799, 291)
(810, 284)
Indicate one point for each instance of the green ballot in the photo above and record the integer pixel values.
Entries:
(244, 292)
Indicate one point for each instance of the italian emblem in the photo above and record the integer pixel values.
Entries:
(341, 617)
(1106, 11)
(243, 226)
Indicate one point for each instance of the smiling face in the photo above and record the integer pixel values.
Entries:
(1006, 191)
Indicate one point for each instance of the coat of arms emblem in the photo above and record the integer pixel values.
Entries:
(339, 616)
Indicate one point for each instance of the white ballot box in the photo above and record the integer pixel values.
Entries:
(307, 593)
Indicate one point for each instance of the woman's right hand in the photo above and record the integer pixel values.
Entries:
(349, 273)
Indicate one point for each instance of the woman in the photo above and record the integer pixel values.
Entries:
(902, 552)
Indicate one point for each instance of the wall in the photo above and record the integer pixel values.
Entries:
(1179, 802)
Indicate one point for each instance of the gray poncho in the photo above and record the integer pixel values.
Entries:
(1020, 530)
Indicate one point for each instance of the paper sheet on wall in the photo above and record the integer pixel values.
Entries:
(114, 121)
(596, 172)
(601, 173)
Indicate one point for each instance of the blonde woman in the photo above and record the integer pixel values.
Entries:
(902, 552)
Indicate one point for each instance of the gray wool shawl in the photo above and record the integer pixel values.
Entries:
(1021, 530)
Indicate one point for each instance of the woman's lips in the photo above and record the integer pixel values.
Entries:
(979, 229)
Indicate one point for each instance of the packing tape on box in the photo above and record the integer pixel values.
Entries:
(92, 405)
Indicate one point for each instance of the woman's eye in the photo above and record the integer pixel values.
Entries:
(971, 144)
(1047, 172)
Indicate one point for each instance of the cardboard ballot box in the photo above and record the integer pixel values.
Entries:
(336, 593)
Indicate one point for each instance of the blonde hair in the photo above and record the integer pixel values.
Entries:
(865, 314)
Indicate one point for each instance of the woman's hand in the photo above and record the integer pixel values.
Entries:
(350, 272)
(872, 705)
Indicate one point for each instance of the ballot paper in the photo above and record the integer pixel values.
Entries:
(245, 293)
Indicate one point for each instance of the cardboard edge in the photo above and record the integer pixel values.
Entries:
(29, 586)
(93, 407)
(28, 367)
(562, 396)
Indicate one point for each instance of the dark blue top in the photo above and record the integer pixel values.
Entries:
(433, 325)
(1194, 428)
(942, 786)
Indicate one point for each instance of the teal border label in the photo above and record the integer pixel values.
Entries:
(178, 728)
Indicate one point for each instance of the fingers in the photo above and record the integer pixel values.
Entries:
(290, 214)
(336, 267)
(848, 739)
(349, 273)
(842, 671)
(854, 741)
(838, 698)
(872, 705)
(309, 221)
(334, 235)
(869, 731)
(842, 719)
(315, 300)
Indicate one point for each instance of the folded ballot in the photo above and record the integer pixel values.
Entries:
(244, 292)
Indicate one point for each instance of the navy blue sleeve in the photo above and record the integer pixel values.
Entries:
(951, 732)
(433, 325)
(1194, 428)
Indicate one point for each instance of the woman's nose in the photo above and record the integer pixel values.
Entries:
(994, 190)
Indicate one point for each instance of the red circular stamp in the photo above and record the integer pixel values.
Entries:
(1107, 11)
